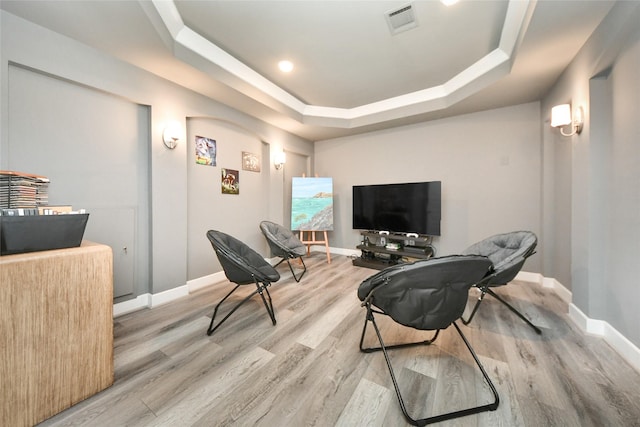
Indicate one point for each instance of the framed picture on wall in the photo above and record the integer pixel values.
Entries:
(205, 151)
(230, 181)
(250, 162)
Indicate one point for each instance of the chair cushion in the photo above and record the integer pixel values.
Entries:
(507, 251)
(427, 294)
(282, 241)
(241, 263)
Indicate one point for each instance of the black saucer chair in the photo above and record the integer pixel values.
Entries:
(507, 252)
(426, 295)
(284, 244)
(242, 266)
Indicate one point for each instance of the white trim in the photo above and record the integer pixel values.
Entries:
(564, 293)
(237, 75)
(529, 277)
(335, 251)
(615, 339)
(169, 295)
(600, 328)
(153, 300)
(546, 282)
(149, 300)
(205, 281)
(141, 301)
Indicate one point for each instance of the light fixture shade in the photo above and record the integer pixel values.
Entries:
(171, 135)
(279, 159)
(561, 115)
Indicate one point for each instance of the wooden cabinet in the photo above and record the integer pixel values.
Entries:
(56, 322)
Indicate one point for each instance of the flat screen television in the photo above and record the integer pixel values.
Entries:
(398, 208)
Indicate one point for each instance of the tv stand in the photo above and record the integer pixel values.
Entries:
(379, 251)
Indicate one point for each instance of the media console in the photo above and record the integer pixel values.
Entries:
(379, 251)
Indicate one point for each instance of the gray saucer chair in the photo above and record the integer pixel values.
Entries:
(284, 244)
(242, 266)
(427, 295)
(507, 252)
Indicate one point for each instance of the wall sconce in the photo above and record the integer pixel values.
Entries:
(171, 135)
(279, 160)
(561, 116)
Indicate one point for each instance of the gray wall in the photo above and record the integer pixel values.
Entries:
(33, 47)
(72, 143)
(595, 176)
(238, 215)
(501, 169)
(489, 164)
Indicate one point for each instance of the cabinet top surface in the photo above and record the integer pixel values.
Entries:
(85, 246)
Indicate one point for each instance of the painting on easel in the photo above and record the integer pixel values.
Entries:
(312, 204)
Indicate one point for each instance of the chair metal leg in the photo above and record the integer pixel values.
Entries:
(268, 306)
(297, 279)
(436, 418)
(475, 307)
(486, 290)
(513, 309)
(369, 318)
(260, 287)
(215, 311)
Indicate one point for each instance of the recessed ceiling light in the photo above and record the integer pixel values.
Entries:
(285, 66)
(448, 2)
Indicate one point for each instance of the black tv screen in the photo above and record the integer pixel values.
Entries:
(399, 208)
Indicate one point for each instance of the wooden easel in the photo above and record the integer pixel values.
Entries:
(314, 241)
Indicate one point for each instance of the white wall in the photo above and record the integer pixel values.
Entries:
(489, 164)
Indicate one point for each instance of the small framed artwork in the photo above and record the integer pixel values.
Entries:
(230, 181)
(250, 162)
(205, 151)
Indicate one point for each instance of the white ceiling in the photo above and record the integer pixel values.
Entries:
(351, 73)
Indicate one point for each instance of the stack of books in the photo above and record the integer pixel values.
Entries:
(28, 223)
(23, 191)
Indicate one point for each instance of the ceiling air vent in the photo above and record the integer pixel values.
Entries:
(401, 19)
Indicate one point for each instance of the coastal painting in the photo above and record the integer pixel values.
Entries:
(312, 204)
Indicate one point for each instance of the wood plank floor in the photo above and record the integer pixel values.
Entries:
(308, 370)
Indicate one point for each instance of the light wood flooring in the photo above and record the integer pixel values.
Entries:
(308, 370)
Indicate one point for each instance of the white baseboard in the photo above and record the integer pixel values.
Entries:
(603, 329)
(205, 281)
(600, 328)
(530, 277)
(141, 301)
(168, 296)
(154, 300)
(564, 293)
(149, 300)
(547, 282)
(335, 251)
(615, 339)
